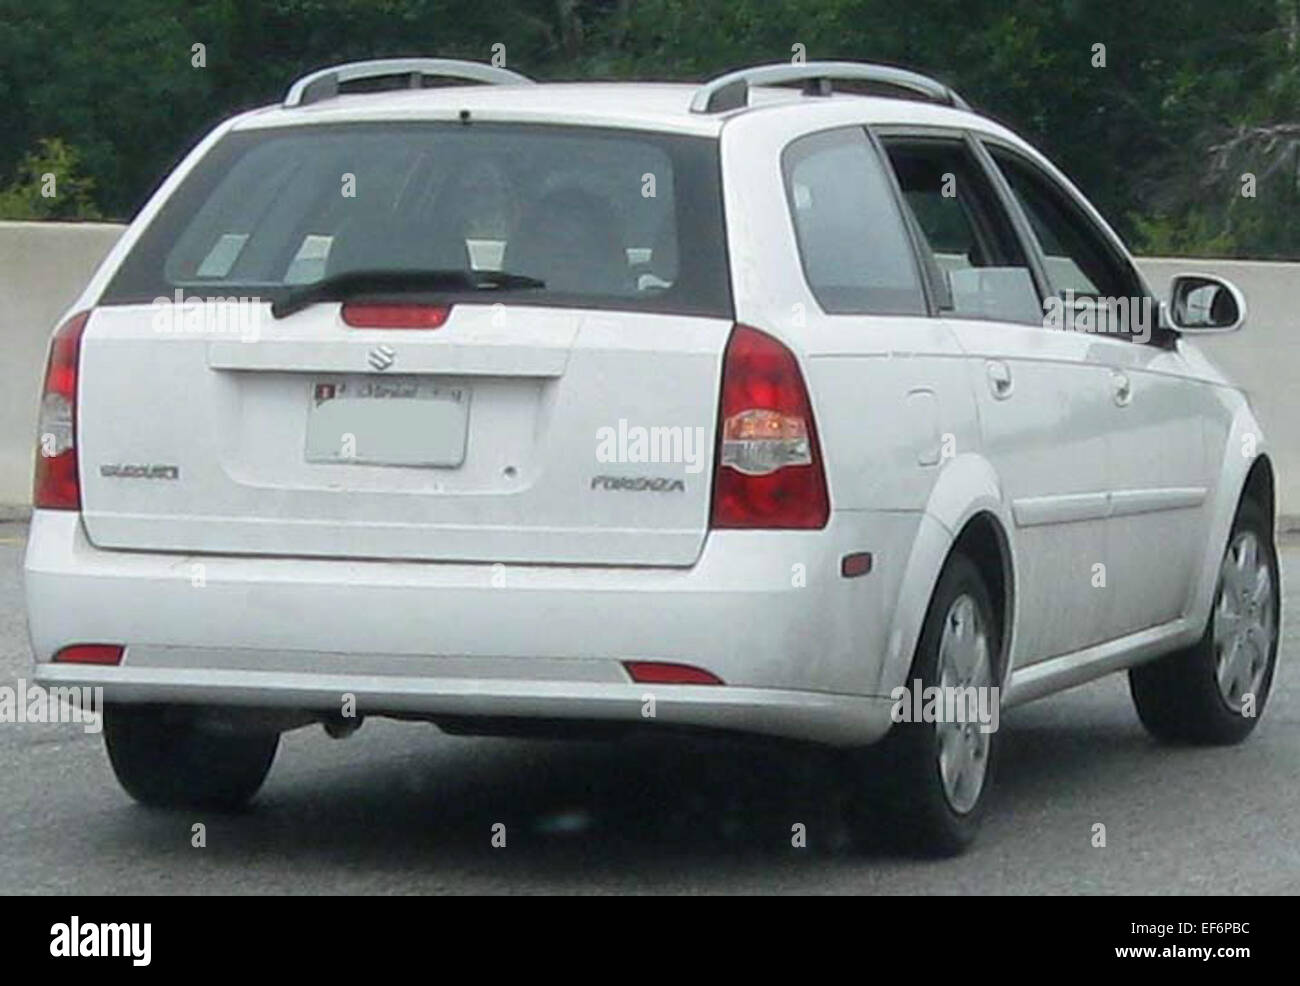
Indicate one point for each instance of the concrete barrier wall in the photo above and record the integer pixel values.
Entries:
(43, 266)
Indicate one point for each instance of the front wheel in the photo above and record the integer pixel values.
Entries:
(1213, 692)
(168, 757)
(924, 787)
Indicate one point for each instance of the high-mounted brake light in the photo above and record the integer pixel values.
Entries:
(363, 315)
(769, 471)
(57, 485)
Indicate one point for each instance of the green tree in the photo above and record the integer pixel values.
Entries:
(1189, 96)
(49, 185)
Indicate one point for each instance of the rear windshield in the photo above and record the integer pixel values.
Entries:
(605, 218)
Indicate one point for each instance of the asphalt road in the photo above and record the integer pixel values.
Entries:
(400, 808)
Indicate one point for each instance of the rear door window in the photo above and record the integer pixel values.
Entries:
(606, 219)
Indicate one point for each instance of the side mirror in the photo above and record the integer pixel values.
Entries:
(1205, 303)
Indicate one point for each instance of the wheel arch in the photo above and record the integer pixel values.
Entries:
(1241, 476)
(1261, 487)
(965, 512)
(984, 541)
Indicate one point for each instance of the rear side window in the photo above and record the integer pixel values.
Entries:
(855, 250)
(607, 219)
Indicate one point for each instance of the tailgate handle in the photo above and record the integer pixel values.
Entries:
(450, 359)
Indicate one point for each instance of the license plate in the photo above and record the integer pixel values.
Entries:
(388, 421)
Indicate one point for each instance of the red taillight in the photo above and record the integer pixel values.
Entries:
(57, 485)
(389, 315)
(661, 673)
(90, 654)
(769, 470)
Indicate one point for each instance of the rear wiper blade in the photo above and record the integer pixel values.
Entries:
(352, 283)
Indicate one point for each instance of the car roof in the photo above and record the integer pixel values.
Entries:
(662, 106)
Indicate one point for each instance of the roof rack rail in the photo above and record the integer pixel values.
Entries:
(324, 84)
(731, 91)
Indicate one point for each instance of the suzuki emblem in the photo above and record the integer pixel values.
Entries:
(382, 357)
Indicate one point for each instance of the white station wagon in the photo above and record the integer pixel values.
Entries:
(556, 408)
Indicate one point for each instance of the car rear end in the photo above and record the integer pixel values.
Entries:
(452, 420)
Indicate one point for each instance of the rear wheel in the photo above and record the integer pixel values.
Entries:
(170, 757)
(1213, 692)
(924, 787)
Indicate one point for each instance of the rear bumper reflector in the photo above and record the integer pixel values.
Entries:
(859, 563)
(90, 654)
(661, 673)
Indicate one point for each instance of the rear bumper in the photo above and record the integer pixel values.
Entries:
(832, 719)
(797, 645)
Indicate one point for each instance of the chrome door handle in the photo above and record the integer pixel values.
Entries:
(1000, 382)
(1123, 388)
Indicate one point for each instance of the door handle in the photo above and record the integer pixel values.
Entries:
(1000, 382)
(1123, 388)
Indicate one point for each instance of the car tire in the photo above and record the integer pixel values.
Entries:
(909, 792)
(166, 757)
(1197, 695)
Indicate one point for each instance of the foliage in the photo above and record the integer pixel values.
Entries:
(49, 186)
(1190, 97)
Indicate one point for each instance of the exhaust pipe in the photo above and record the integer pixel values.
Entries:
(338, 726)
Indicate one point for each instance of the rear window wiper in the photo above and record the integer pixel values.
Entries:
(353, 283)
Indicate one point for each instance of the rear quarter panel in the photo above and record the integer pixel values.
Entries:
(895, 414)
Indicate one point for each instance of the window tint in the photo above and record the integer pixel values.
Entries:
(855, 249)
(970, 245)
(612, 219)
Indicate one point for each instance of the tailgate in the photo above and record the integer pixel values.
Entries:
(510, 434)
